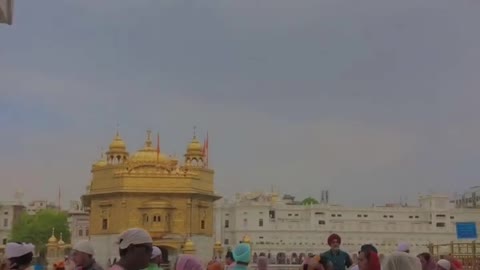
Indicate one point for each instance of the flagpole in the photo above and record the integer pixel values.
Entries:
(158, 146)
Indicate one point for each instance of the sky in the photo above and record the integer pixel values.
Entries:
(374, 100)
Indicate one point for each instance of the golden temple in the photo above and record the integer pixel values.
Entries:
(172, 200)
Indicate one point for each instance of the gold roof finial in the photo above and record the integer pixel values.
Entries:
(194, 132)
(117, 143)
(52, 238)
(148, 140)
(61, 242)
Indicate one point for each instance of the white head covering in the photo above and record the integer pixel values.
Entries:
(402, 261)
(403, 247)
(444, 264)
(156, 252)
(135, 236)
(14, 250)
(85, 247)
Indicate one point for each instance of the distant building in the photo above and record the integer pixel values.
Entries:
(10, 213)
(6, 11)
(283, 229)
(78, 222)
(37, 205)
(469, 199)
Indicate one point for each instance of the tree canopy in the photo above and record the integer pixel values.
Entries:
(37, 229)
(309, 200)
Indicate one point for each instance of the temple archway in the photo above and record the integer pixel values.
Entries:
(281, 258)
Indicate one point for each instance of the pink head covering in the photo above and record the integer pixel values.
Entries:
(188, 262)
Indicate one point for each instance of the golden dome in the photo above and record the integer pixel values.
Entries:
(148, 153)
(194, 145)
(100, 163)
(52, 239)
(189, 245)
(117, 143)
(60, 242)
(246, 239)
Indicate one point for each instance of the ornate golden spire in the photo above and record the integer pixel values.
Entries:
(61, 242)
(117, 151)
(194, 153)
(148, 140)
(52, 239)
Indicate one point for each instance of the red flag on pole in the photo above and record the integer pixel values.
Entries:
(206, 150)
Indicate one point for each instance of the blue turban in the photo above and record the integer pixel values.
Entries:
(242, 253)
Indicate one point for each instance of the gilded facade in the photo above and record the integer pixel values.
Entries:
(173, 200)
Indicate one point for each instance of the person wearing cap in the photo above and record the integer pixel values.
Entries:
(454, 263)
(403, 247)
(82, 256)
(155, 259)
(242, 255)
(340, 259)
(18, 256)
(443, 264)
(135, 248)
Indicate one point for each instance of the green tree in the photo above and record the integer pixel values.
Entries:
(37, 229)
(309, 200)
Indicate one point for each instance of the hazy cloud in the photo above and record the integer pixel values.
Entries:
(370, 99)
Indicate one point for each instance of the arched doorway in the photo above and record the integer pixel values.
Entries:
(281, 258)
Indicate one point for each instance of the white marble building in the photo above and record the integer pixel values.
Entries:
(78, 222)
(285, 228)
(10, 212)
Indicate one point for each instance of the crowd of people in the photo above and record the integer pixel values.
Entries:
(137, 252)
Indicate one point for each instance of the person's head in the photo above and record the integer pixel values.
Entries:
(401, 261)
(443, 264)
(334, 241)
(135, 248)
(156, 257)
(229, 258)
(59, 265)
(262, 263)
(18, 255)
(403, 247)
(82, 253)
(424, 259)
(315, 263)
(215, 265)
(242, 254)
(368, 258)
(188, 262)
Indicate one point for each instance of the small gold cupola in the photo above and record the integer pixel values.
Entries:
(194, 155)
(117, 151)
